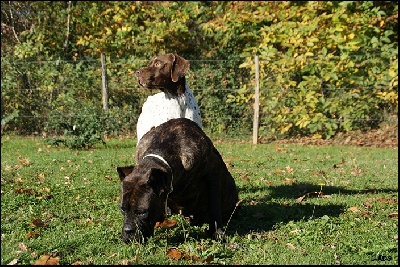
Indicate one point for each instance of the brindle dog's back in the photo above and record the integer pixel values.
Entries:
(196, 165)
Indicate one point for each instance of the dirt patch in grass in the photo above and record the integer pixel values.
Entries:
(386, 137)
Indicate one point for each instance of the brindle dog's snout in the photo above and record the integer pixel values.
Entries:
(128, 235)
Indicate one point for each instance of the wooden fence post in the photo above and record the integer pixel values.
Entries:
(104, 82)
(256, 102)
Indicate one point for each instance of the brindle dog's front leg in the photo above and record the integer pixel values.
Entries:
(214, 206)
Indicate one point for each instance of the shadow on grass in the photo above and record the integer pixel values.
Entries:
(295, 190)
(262, 214)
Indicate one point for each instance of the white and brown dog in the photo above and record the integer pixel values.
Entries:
(166, 73)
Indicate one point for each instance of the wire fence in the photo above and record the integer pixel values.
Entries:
(35, 92)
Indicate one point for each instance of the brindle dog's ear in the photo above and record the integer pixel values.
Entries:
(179, 68)
(158, 181)
(124, 171)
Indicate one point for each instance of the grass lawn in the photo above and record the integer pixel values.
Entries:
(300, 204)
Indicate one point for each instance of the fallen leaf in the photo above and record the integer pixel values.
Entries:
(290, 245)
(166, 223)
(22, 247)
(299, 199)
(367, 204)
(312, 194)
(356, 172)
(47, 260)
(387, 200)
(353, 209)
(77, 263)
(24, 191)
(38, 223)
(277, 148)
(365, 214)
(289, 181)
(288, 169)
(13, 262)
(46, 189)
(24, 161)
(210, 258)
(393, 215)
(174, 254)
(30, 234)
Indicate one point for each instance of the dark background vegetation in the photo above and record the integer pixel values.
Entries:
(326, 68)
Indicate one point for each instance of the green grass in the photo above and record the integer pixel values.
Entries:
(76, 194)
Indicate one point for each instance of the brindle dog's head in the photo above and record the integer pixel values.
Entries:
(144, 192)
(165, 72)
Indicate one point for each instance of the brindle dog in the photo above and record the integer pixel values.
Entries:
(177, 165)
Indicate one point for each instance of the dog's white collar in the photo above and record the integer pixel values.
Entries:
(172, 177)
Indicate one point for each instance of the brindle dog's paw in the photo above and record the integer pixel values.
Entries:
(219, 235)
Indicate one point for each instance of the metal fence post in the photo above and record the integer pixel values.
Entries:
(256, 102)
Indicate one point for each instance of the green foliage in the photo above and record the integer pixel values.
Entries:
(326, 67)
(78, 132)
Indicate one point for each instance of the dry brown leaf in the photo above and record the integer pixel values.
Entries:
(132, 261)
(393, 215)
(387, 200)
(288, 169)
(312, 194)
(24, 161)
(325, 196)
(46, 189)
(22, 247)
(47, 260)
(13, 262)
(290, 245)
(299, 199)
(30, 234)
(108, 178)
(289, 181)
(365, 214)
(8, 168)
(367, 204)
(353, 209)
(24, 191)
(77, 263)
(174, 254)
(166, 223)
(246, 179)
(38, 223)
(279, 149)
(210, 258)
(356, 172)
